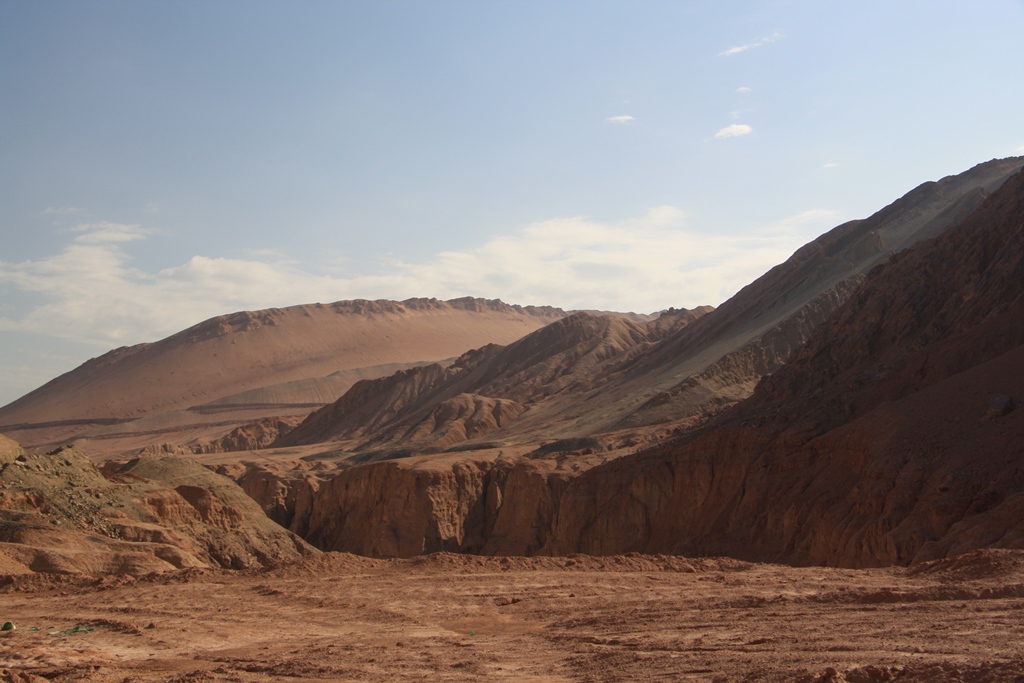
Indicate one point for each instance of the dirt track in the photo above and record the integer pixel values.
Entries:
(451, 618)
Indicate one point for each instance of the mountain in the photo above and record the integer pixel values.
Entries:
(588, 375)
(855, 406)
(234, 369)
(892, 436)
(487, 389)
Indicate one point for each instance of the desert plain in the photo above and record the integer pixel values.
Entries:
(446, 617)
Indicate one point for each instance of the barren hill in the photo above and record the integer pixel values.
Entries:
(587, 375)
(890, 437)
(487, 389)
(241, 367)
(893, 436)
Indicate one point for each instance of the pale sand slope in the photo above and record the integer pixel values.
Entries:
(250, 364)
(458, 618)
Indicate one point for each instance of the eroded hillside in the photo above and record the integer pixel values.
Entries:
(890, 437)
(60, 514)
(591, 375)
(194, 387)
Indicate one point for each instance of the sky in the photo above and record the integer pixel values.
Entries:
(163, 162)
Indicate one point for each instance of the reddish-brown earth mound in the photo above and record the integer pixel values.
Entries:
(59, 514)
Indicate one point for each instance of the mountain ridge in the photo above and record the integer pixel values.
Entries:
(679, 376)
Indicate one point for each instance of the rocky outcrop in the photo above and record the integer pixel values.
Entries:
(487, 389)
(283, 490)
(501, 507)
(59, 514)
(250, 436)
(464, 417)
(9, 449)
(369, 406)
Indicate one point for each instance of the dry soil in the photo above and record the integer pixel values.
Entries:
(456, 618)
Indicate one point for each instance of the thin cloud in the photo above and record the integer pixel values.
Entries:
(830, 164)
(63, 210)
(625, 118)
(729, 52)
(743, 90)
(735, 130)
(92, 292)
(105, 232)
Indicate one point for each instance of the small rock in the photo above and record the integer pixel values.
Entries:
(1001, 405)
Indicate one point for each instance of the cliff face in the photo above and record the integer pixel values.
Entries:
(385, 510)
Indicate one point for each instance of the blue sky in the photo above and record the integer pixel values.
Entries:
(162, 162)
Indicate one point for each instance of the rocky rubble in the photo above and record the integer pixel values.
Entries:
(60, 514)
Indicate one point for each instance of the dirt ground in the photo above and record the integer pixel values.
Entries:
(454, 618)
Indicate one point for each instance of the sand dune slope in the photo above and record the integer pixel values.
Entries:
(250, 365)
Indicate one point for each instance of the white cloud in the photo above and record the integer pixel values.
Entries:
(625, 118)
(63, 210)
(749, 46)
(90, 291)
(743, 90)
(105, 232)
(1019, 150)
(735, 130)
(830, 164)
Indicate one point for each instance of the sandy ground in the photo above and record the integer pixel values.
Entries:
(455, 618)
